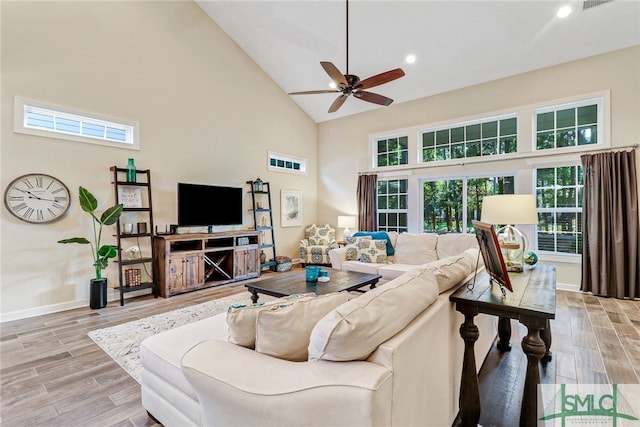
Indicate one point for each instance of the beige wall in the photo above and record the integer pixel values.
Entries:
(345, 144)
(207, 113)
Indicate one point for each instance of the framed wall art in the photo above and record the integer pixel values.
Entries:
(291, 208)
(491, 254)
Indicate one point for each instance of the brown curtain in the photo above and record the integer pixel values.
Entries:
(610, 256)
(367, 194)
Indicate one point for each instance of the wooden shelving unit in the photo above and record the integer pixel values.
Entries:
(136, 199)
(263, 221)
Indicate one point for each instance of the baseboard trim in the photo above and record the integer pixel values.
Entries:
(63, 306)
(571, 287)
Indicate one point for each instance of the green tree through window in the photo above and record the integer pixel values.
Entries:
(447, 201)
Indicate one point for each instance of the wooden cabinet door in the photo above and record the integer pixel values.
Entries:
(246, 263)
(175, 276)
(194, 270)
(185, 271)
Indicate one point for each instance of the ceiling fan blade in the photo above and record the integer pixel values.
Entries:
(338, 103)
(380, 79)
(314, 92)
(334, 73)
(373, 97)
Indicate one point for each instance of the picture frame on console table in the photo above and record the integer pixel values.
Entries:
(290, 208)
(491, 254)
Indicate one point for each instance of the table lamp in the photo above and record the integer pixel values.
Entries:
(511, 209)
(347, 222)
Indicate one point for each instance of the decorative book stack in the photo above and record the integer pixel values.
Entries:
(132, 277)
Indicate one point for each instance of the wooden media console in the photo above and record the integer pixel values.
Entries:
(187, 262)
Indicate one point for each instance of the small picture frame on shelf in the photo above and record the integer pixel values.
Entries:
(130, 197)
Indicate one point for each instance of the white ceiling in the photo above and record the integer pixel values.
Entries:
(457, 43)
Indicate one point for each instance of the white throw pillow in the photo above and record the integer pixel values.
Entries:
(455, 243)
(454, 270)
(283, 331)
(241, 318)
(416, 249)
(355, 329)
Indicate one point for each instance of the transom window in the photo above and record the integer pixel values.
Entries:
(286, 163)
(569, 125)
(392, 151)
(36, 118)
(392, 205)
(472, 139)
(559, 193)
(450, 205)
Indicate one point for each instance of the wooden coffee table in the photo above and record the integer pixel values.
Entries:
(294, 282)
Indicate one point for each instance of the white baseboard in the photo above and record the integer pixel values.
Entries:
(571, 287)
(63, 306)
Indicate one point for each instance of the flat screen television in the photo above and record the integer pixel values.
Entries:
(209, 205)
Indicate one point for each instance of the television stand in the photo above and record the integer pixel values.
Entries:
(188, 262)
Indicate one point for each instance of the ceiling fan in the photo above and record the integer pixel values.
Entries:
(350, 84)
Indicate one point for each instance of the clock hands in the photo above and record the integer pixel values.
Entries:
(34, 196)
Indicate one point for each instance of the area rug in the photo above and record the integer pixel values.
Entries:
(122, 342)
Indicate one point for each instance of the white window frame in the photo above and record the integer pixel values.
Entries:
(464, 178)
(287, 158)
(457, 124)
(604, 119)
(545, 255)
(374, 150)
(395, 211)
(24, 105)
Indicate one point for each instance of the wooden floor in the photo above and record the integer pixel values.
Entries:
(52, 374)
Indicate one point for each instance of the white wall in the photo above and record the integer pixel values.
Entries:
(345, 150)
(208, 114)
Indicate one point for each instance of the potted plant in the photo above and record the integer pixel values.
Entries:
(100, 253)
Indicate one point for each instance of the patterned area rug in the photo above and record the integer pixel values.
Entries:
(122, 342)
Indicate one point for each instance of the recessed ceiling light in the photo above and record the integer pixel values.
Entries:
(410, 59)
(564, 11)
(333, 85)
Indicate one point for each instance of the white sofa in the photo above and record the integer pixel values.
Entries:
(410, 251)
(192, 375)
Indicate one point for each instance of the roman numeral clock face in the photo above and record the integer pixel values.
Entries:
(37, 198)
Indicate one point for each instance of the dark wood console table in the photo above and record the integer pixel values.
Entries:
(533, 303)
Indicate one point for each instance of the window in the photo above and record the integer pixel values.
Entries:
(559, 199)
(450, 205)
(568, 125)
(472, 139)
(392, 151)
(285, 163)
(392, 205)
(37, 118)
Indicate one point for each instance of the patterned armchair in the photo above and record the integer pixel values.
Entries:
(319, 239)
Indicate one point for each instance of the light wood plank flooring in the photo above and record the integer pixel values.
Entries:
(52, 374)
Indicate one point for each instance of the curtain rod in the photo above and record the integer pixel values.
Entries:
(486, 160)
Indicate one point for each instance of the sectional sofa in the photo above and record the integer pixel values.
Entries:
(402, 252)
(392, 356)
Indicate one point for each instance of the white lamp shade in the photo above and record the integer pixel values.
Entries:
(346, 221)
(509, 209)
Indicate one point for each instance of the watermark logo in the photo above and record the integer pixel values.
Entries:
(589, 404)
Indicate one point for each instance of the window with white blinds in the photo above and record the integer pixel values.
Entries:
(37, 118)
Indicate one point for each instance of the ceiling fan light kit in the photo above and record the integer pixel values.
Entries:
(350, 84)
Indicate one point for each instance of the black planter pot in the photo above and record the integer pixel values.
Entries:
(98, 293)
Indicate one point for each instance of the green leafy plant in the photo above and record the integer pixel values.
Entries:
(101, 254)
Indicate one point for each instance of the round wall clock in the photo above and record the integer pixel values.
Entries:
(37, 198)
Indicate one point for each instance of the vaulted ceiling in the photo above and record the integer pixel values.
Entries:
(456, 43)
